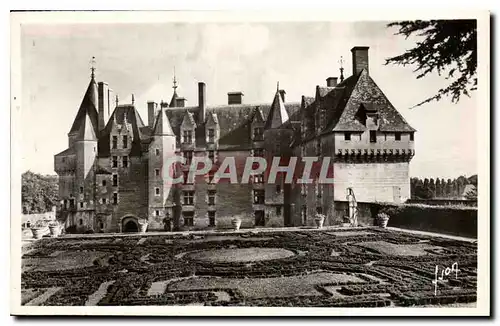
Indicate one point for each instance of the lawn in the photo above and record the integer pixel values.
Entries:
(332, 268)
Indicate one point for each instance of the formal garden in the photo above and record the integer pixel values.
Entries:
(352, 267)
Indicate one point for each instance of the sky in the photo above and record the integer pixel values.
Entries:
(139, 59)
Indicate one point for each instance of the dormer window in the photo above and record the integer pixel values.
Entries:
(125, 141)
(258, 133)
(211, 136)
(188, 137)
(115, 142)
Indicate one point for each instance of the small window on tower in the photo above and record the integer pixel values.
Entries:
(373, 136)
(115, 142)
(115, 198)
(397, 136)
(157, 191)
(81, 204)
(104, 201)
(157, 172)
(125, 141)
(157, 212)
(157, 151)
(347, 136)
(81, 190)
(104, 183)
(411, 136)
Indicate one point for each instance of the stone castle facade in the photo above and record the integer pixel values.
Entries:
(113, 172)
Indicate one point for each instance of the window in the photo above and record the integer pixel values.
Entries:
(411, 136)
(115, 142)
(115, 198)
(72, 203)
(211, 136)
(211, 197)
(397, 136)
(258, 197)
(81, 204)
(65, 204)
(186, 177)
(373, 136)
(157, 151)
(319, 210)
(157, 212)
(258, 152)
(104, 183)
(81, 222)
(347, 136)
(125, 162)
(258, 178)
(211, 218)
(157, 191)
(115, 161)
(188, 137)
(278, 188)
(211, 156)
(278, 210)
(157, 172)
(188, 156)
(125, 141)
(257, 133)
(81, 190)
(101, 225)
(188, 218)
(115, 180)
(211, 176)
(188, 197)
(104, 201)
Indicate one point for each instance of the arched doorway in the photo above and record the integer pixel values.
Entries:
(129, 224)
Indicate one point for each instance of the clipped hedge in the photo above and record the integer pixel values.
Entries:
(454, 220)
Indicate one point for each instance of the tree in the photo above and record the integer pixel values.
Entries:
(449, 46)
(38, 193)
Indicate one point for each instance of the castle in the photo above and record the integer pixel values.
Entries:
(112, 173)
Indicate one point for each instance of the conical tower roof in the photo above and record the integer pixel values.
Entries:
(162, 125)
(277, 114)
(87, 110)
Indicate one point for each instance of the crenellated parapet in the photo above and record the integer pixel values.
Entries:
(373, 155)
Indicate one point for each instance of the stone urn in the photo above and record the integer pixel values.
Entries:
(143, 226)
(319, 220)
(236, 223)
(382, 220)
(38, 232)
(55, 229)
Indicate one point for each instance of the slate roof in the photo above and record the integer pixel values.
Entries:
(87, 110)
(278, 115)
(66, 152)
(118, 116)
(162, 126)
(234, 121)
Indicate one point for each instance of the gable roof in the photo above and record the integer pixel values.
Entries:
(162, 126)
(88, 108)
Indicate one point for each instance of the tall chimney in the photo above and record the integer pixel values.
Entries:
(103, 104)
(234, 98)
(202, 102)
(152, 113)
(331, 81)
(282, 94)
(359, 59)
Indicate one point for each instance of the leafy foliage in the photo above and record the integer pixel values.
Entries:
(38, 193)
(441, 188)
(449, 46)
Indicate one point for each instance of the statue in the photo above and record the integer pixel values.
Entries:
(353, 207)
